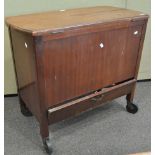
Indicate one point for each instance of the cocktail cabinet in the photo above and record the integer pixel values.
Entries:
(70, 61)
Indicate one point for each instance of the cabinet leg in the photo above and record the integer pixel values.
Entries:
(24, 109)
(130, 107)
(47, 145)
(44, 131)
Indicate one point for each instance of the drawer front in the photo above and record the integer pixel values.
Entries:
(79, 65)
(82, 104)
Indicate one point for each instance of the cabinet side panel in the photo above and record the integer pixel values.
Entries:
(132, 47)
(141, 47)
(24, 63)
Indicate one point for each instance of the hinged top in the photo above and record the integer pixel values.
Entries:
(55, 21)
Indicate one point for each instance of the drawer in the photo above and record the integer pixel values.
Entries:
(87, 102)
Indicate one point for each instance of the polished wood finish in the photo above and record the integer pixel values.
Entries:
(130, 96)
(71, 73)
(87, 102)
(25, 69)
(67, 62)
(60, 20)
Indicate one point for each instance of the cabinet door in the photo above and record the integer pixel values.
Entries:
(79, 65)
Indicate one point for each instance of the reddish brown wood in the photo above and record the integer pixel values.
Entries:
(130, 96)
(24, 63)
(61, 66)
(101, 93)
(41, 86)
(78, 65)
(99, 27)
(82, 104)
(86, 29)
(54, 21)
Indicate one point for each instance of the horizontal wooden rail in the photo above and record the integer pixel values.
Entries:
(97, 93)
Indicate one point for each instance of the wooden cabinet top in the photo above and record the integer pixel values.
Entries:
(54, 21)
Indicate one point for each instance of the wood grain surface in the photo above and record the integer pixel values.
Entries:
(63, 57)
(82, 104)
(63, 19)
(78, 65)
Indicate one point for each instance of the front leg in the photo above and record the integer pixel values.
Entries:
(44, 131)
(130, 107)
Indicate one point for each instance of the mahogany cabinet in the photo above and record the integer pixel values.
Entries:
(69, 61)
